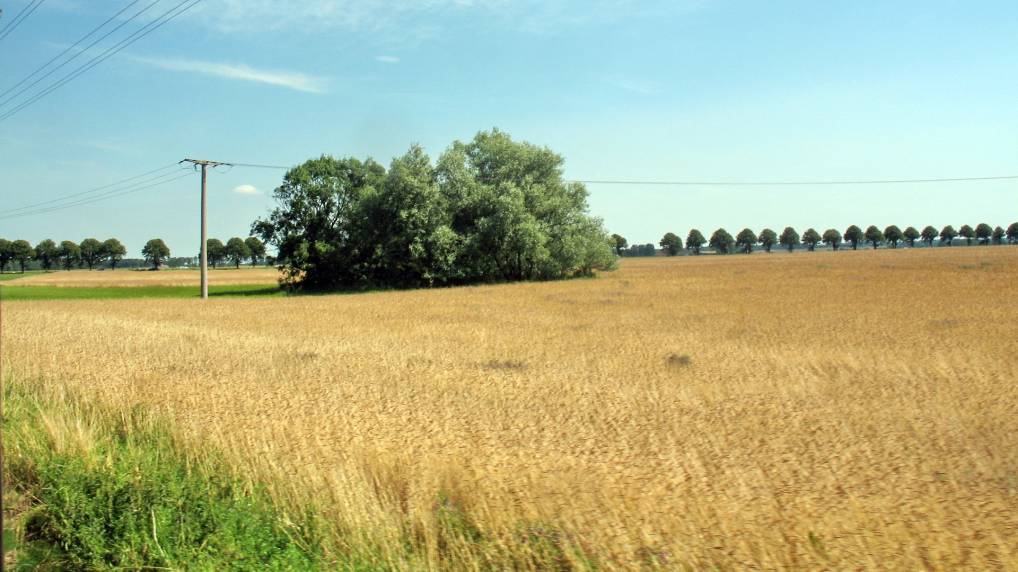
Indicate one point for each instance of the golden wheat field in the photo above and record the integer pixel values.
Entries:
(137, 277)
(850, 410)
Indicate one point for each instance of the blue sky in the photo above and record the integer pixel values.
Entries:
(679, 90)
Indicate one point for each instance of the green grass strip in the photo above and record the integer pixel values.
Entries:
(105, 491)
(14, 293)
(7, 276)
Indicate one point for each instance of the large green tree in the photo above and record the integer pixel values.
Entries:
(695, 241)
(721, 241)
(854, 235)
(984, 233)
(947, 235)
(489, 210)
(811, 238)
(789, 238)
(874, 236)
(21, 252)
(745, 240)
(237, 251)
(768, 238)
(411, 229)
(114, 252)
(256, 248)
(69, 254)
(967, 233)
(929, 234)
(1012, 233)
(91, 252)
(315, 226)
(155, 252)
(911, 235)
(832, 238)
(47, 252)
(893, 235)
(671, 243)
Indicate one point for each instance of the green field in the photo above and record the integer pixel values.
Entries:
(12, 293)
(6, 276)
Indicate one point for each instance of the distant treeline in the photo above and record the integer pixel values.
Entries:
(91, 253)
(721, 242)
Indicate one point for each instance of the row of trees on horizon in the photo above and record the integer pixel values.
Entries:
(92, 253)
(746, 240)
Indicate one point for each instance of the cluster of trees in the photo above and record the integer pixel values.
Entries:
(67, 255)
(746, 240)
(236, 250)
(489, 210)
(91, 253)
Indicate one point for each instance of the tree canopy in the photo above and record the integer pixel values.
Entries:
(619, 242)
(745, 240)
(21, 252)
(489, 210)
(46, 252)
(929, 234)
(721, 241)
(789, 238)
(237, 251)
(155, 252)
(695, 240)
(947, 235)
(984, 232)
(810, 238)
(967, 233)
(69, 254)
(911, 235)
(874, 236)
(768, 238)
(114, 252)
(894, 235)
(671, 243)
(853, 236)
(256, 249)
(91, 252)
(832, 238)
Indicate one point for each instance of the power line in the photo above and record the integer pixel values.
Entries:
(790, 183)
(68, 49)
(90, 191)
(79, 53)
(112, 194)
(21, 17)
(137, 35)
(735, 183)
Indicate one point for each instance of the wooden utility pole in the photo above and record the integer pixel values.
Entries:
(204, 262)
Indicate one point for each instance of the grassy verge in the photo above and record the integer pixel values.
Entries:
(95, 490)
(11, 293)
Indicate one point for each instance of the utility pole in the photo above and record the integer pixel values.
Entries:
(204, 262)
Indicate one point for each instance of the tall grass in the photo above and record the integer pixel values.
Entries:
(100, 490)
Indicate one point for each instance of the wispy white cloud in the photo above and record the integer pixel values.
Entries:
(288, 79)
(412, 19)
(387, 59)
(246, 190)
(633, 84)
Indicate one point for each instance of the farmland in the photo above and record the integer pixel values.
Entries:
(813, 410)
